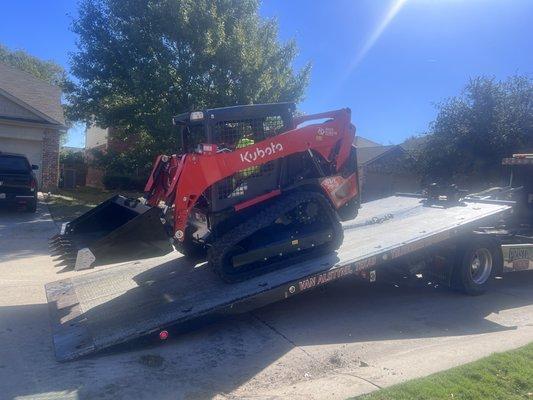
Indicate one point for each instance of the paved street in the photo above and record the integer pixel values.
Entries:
(348, 339)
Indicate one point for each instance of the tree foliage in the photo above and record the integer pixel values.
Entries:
(139, 62)
(47, 71)
(472, 132)
(71, 157)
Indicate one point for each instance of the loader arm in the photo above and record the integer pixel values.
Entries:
(197, 172)
(163, 178)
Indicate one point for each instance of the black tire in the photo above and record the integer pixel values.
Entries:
(222, 248)
(477, 263)
(31, 207)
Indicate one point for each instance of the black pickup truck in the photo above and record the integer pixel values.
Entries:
(18, 184)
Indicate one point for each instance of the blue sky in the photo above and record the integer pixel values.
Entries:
(390, 61)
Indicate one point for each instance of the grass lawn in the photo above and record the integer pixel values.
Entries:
(506, 375)
(65, 205)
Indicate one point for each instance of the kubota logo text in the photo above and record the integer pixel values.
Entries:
(258, 153)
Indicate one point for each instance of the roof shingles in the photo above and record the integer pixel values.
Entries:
(367, 154)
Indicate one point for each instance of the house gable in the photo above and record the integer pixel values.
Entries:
(10, 109)
(394, 161)
(367, 154)
(34, 94)
(360, 141)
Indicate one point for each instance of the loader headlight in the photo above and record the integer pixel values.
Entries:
(196, 116)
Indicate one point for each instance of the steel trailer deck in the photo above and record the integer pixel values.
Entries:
(116, 304)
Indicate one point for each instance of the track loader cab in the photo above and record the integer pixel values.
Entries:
(224, 130)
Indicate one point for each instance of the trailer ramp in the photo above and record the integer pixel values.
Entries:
(126, 301)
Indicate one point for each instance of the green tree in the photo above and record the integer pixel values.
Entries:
(47, 71)
(140, 61)
(472, 132)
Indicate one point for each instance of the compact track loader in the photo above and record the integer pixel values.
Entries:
(253, 188)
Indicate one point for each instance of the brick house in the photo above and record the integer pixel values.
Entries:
(96, 138)
(31, 122)
(101, 139)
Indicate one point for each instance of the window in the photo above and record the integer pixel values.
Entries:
(241, 133)
(13, 164)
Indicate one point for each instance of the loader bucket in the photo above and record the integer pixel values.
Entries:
(119, 229)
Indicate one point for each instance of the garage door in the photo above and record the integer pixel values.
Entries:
(32, 149)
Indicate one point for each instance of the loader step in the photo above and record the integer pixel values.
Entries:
(125, 301)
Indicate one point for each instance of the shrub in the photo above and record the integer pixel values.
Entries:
(124, 182)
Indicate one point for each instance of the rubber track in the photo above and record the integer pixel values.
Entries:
(264, 218)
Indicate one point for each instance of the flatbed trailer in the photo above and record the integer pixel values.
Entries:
(123, 302)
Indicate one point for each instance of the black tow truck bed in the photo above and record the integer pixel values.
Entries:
(126, 301)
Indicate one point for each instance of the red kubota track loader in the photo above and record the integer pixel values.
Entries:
(254, 187)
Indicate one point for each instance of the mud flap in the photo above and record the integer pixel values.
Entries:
(119, 229)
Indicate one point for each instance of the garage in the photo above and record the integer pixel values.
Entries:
(32, 149)
(31, 122)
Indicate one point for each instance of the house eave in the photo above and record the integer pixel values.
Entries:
(394, 147)
(33, 124)
(30, 108)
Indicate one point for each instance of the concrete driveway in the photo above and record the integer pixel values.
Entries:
(343, 341)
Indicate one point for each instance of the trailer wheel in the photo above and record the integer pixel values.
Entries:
(477, 263)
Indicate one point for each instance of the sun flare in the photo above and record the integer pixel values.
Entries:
(393, 9)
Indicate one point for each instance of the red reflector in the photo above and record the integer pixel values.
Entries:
(163, 335)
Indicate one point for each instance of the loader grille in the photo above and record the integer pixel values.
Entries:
(236, 134)
(236, 186)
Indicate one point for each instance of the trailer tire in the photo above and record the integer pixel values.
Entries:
(477, 263)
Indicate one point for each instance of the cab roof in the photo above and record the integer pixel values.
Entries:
(236, 113)
(3, 153)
